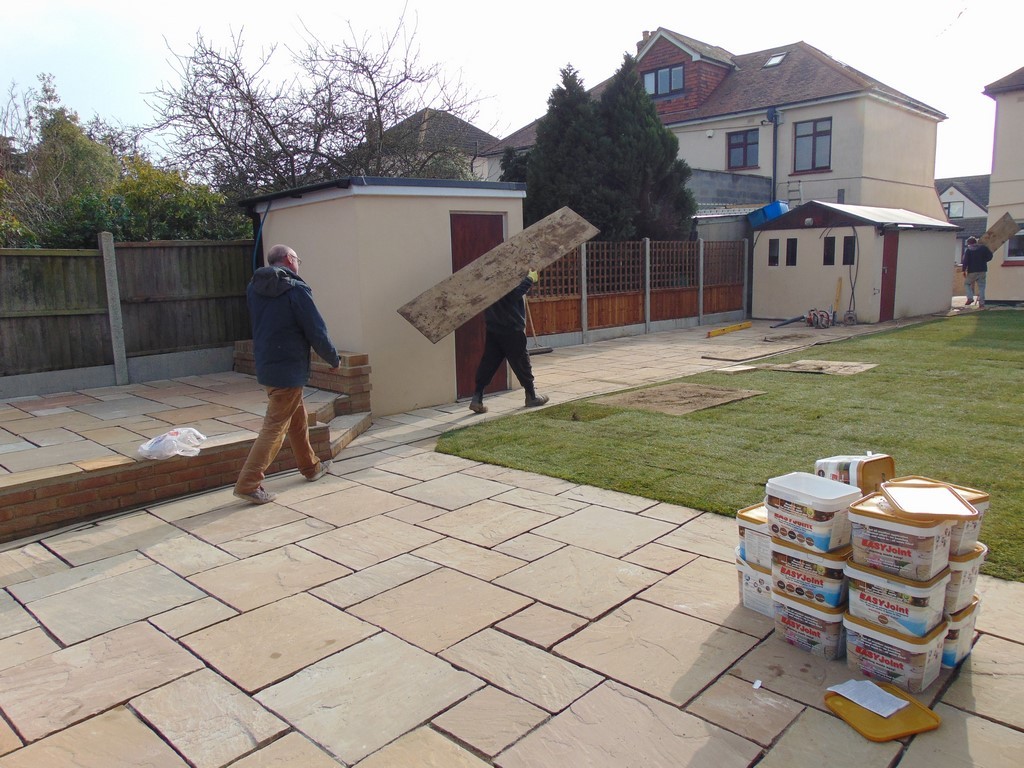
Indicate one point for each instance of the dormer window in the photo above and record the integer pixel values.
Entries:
(664, 81)
(774, 60)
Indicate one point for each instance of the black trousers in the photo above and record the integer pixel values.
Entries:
(505, 345)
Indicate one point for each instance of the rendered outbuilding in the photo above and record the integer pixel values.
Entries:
(369, 245)
(885, 263)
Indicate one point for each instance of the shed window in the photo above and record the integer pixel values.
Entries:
(791, 252)
(849, 250)
(829, 257)
(773, 252)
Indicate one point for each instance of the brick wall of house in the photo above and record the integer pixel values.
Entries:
(700, 78)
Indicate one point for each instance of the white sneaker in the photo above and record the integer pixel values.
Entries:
(260, 496)
(321, 470)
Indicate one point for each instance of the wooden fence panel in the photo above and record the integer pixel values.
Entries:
(53, 308)
(673, 303)
(175, 296)
(178, 296)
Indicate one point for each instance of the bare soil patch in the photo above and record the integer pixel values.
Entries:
(676, 399)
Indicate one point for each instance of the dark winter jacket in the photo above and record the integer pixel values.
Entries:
(509, 312)
(285, 324)
(976, 258)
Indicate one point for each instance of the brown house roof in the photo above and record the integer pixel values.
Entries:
(805, 74)
(1012, 82)
(436, 129)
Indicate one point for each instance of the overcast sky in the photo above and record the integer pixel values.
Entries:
(107, 55)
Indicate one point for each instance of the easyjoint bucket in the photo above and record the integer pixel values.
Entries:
(866, 472)
(963, 578)
(910, 607)
(755, 586)
(810, 511)
(816, 577)
(912, 663)
(814, 628)
(755, 540)
(912, 548)
(960, 635)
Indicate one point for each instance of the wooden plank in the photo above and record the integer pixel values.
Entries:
(999, 233)
(438, 311)
(729, 329)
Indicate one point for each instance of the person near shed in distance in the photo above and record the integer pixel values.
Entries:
(975, 267)
(506, 340)
(285, 325)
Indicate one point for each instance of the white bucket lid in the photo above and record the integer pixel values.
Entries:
(818, 493)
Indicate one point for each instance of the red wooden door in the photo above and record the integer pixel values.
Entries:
(473, 235)
(890, 253)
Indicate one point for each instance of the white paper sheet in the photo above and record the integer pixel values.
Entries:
(870, 696)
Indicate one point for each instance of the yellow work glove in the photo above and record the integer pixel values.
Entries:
(534, 275)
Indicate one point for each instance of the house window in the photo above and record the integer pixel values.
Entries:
(743, 149)
(664, 81)
(829, 257)
(813, 147)
(849, 250)
(774, 60)
(773, 252)
(1015, 247)
(791, 252)
(954, 209)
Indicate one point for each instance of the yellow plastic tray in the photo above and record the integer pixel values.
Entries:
(913, 718)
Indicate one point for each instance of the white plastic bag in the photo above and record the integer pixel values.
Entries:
(177, 442)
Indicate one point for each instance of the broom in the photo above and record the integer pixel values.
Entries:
(536, 349)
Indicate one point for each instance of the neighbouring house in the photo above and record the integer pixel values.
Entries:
(965, 201)
(431, 143)
(369, 245)
(1006, 190)
(884, 263)
(807, 126)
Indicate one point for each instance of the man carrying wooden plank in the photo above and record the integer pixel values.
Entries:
(506, 340)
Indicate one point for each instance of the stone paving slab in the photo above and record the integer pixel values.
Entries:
(358, 700)
(411, 609)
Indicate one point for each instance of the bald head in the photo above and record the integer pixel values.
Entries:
(278, 255)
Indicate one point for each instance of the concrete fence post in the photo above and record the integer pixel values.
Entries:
(583, 293)
(700, 281)
(647, 285)
(106, 241)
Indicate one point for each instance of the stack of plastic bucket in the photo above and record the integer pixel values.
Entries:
(754, 559)
(898, 577)
(808, 519)
(966, 556)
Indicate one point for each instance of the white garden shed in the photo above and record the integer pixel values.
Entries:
(883, 263)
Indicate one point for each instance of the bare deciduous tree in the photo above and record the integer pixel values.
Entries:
(345, 111)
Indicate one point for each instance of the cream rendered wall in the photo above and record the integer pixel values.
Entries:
(365, 255)
(922, 273)
(783, 292)
(881, 155)
(700, 150)
(899, 159)
(1006, 194)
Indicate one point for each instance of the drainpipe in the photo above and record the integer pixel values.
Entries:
(772, 116)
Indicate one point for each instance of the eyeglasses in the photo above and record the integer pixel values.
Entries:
(298, 261)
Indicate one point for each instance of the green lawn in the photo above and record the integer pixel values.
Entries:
(946, 401)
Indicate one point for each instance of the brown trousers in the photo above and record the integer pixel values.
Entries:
(286, 415)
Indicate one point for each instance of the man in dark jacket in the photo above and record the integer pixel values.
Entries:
(975, 267)
(285, 325)
(506, 340)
